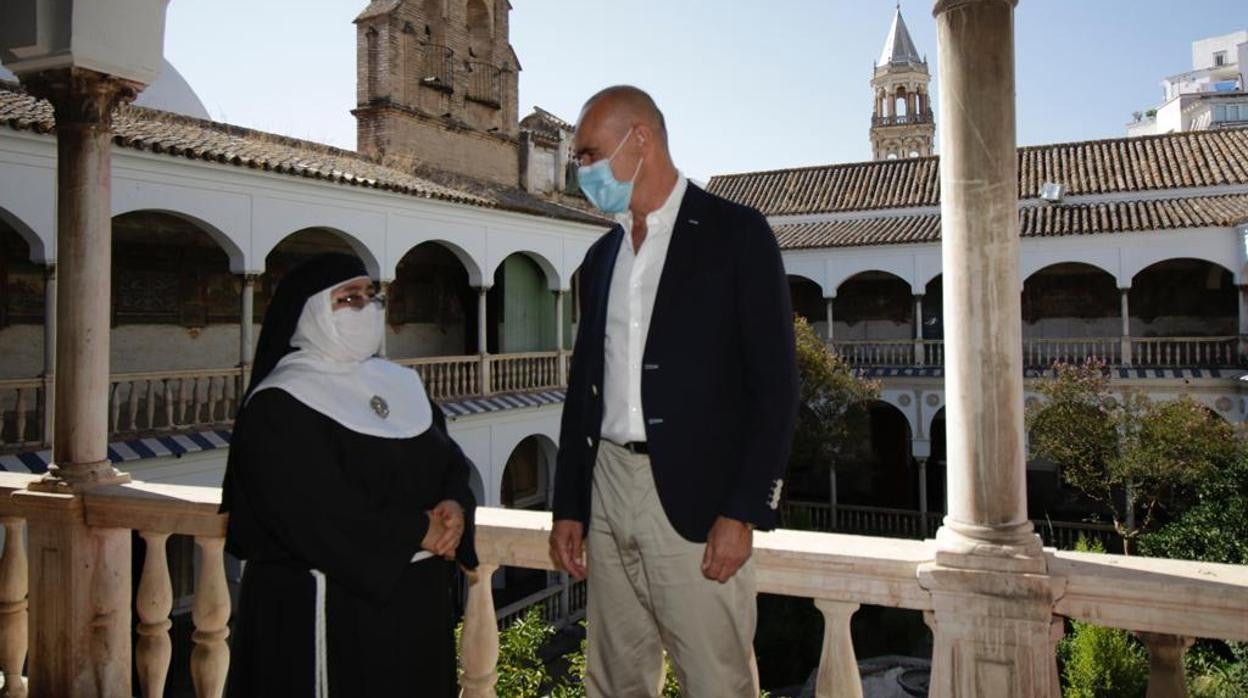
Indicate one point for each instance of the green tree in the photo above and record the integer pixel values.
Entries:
(832, 416)
(1133, 457)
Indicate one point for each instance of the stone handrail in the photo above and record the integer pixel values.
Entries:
(1043, 352)
(1165, 600)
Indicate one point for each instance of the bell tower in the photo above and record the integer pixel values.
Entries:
(437, 85)
(901, 122)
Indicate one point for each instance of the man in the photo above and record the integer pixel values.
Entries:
(679, 415)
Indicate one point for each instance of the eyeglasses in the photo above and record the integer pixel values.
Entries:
(360, 300)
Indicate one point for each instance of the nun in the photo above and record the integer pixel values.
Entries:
(348, 501)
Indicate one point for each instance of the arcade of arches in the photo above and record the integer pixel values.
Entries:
(177, 305)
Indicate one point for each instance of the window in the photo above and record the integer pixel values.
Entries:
(1219, 58)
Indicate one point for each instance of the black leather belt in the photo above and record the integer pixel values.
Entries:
(638, 447)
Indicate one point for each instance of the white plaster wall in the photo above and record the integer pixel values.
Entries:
(171, 348)
(21, 351)
(871, 329)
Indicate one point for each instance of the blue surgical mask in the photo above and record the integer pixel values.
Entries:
(603, 190)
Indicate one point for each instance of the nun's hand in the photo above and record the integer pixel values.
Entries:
(452, 516)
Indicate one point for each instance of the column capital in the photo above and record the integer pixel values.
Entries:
(80, 96)
(943, 6)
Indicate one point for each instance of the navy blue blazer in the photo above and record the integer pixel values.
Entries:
(719, 372)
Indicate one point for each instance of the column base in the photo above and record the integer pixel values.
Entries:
(79, 477)
(993, 614)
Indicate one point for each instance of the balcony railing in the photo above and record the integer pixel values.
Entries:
(438, 68)
(168, 402)
(908, 523)
(1043, 352)
(902, 119)
(838, 572)
(484, 83)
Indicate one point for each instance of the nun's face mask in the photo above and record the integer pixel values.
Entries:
(342, 323)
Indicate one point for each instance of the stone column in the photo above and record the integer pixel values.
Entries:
(1124, 294)
(831, 317)
(1243, 324)
(918, 329)
(991, 595)
(80, 620)
(563, 369)
(483, 344)
(383, 289)
(246, 326)
(922, 463)
(49, 353)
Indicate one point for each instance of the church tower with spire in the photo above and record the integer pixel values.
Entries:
(901, 122)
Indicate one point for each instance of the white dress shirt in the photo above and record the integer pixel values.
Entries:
(629, 305)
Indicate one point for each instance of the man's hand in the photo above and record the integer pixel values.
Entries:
(448, 518)
(567, 548)
(728, 546)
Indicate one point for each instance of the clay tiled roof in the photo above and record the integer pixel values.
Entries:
(180, 136)
(1171, 161)
(1034, 221)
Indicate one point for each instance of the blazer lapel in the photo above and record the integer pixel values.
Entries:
(680, 263)
(606, 270)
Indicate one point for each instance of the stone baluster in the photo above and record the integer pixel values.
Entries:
(838, 669)
(13, 605)
(152, 605)
(132, 408)
(1167, 677)
(210, 660)
(21, 416)
(479, 651)
(151, 404)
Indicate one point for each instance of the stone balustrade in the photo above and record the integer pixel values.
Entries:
(155, 402)
(1043, 352)
(1166, 601)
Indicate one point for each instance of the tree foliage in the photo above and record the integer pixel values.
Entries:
(832, 416)
(1132, 456)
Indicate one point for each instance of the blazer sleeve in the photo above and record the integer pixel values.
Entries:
(570, 497)
(765, 317)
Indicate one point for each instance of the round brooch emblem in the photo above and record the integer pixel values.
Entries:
(380, 406)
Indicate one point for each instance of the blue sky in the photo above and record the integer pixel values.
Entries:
(746, 85)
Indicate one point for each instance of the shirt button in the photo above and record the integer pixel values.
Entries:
(589, 440)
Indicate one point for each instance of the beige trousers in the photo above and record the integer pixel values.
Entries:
(647, 594)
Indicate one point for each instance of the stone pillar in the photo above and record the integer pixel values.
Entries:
(831, 317)
(49, 353)
(246, 326)
(1124, 294)
(991, 595)
(483, 344)
(922, 463)
(918, 329)
(80, 619)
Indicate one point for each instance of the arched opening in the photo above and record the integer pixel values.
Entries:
(21, 305)
(937, 463)
(1184, 312)
(808, 302)
(480, 30)
(900, 103)
(431, 308)
(1071, 313)
(175, 302)
(526, 485)
(873, 314)
(881, 476)
(934, 308)
(294, 249)
(521, 311)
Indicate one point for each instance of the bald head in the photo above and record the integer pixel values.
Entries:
(623, 106)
